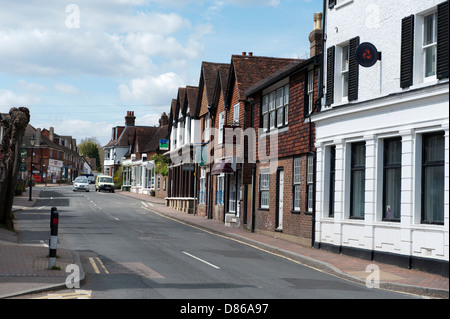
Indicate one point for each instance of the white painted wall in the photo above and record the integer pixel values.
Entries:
(377, 114)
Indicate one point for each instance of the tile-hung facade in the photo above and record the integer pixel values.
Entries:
(184, 128)
(245, 72)
(284, 193)
(218, 171)
(207, 87)
(382, 135)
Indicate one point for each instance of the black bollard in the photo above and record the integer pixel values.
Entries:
(54, 221)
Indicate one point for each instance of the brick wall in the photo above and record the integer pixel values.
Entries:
(292, 142)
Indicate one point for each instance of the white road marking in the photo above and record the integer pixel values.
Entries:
(199, 259)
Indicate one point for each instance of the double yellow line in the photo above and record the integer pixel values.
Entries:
(94, 265)
(78, 294)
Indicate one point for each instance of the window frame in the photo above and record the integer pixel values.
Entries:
(206, 137)
(220, 192)
(310, 91)
(202, 187)
(275, 108)
(232, 203)
(432, 45)
(236, 114)
(353, 170)
(221, 124)
(264, 188)
(344, 73)
(429, 164)
(332, 181)
(388, 167)
(310, 184)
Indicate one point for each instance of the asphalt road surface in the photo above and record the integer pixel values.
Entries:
(130, 252)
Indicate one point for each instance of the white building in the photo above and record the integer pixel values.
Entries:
(382, 134)
(184, 128)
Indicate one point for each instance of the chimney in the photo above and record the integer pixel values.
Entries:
(244, 53)
(164, 120)
(52, 133)
(38, 137)
(315, 37)
(129, 119)
(250, 54)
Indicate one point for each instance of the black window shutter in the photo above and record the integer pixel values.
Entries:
(330, 76)
(442, 41)
(407, 49)
(353, 70)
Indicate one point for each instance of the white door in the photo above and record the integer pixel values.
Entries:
(280, 199)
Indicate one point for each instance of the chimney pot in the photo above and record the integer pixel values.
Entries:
(130, 118)
(318, 21)
(244, 53)
(250, 54)
(315, 37)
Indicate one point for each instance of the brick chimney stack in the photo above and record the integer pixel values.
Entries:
(130, 118)
(164, 120)
(315, 37)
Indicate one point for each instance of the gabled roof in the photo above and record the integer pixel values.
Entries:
(248, 70)
(152, 144)
(181, 107)
(221, 84)
(208, 77)
(192, 100)
(172, 113)
(287, 70)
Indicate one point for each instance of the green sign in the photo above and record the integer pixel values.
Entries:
(23, 167)
(164, 145)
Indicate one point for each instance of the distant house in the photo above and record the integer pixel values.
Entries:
(52, 159)
(136, 145)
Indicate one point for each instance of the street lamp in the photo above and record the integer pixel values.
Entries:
(32, 141)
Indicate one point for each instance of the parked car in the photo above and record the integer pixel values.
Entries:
(104, 182)
(81, 183)
(91, 179)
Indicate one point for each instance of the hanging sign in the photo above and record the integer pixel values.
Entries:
(367, 54)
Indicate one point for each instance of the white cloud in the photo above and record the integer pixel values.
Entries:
(66, 88)
(151, 90)
(80, 129)
(31, 87)
(10, 99)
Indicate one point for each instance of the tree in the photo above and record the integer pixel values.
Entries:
(14, 126)
(90, 147)
(161, 163)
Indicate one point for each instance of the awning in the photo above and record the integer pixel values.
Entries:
(222, 168)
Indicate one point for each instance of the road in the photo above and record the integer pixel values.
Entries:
(130, 252)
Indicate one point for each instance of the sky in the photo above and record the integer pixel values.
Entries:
(80, 65)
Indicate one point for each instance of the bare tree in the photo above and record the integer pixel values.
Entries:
(14, 126)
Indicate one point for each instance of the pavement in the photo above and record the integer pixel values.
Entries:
(24, 268)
